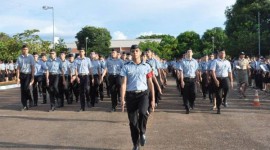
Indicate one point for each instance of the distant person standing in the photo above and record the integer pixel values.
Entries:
(25, 75)
(222, 75)
(136, 80)
(11, 70)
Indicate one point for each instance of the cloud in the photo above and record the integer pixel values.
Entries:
(148, 33)
(118, 35)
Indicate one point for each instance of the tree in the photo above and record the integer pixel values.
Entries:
(98, 39)
(189, 40)
(10, 46)
(34, 42)
(154, 46)
(60, 46)
(216, 36)
(242, 26)
(167, 46)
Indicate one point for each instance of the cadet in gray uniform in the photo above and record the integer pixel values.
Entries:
(113, 67)
(25, 75)
(188, 76)
(74, 86)
(136, 80)
(64, 80)
(221, 73)
(83, 71)
(96, 68)
(54, 67)
(40, 67)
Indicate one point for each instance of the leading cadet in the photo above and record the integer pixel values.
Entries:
(188, 76)
(25, 75)
(136, 80)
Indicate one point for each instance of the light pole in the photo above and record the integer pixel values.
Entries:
(213, 42)
(86, 39)
(46, 8)
(259, 33)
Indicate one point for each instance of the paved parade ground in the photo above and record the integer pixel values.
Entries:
(240, 126)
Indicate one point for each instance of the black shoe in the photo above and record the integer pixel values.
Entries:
(52, 108)
(44, 102)
(81, 110)
(88, 104)
(142, 140)
(136, 148)
(187, 111)
(113, 110)
(218, 111)
(24, 108)
(224, 104)
(35, 105)
(31, 104)
(59, 106)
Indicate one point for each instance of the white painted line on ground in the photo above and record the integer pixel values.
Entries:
(5, 87)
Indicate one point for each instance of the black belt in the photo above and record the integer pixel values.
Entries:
(186, 79)
(113, 74)
(53, 74)
(222, 78)
(83, 74)
(136, 92)
(25, 73)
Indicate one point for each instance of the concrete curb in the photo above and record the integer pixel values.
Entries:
(5, 87)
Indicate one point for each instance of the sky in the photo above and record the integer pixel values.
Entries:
(125, 19)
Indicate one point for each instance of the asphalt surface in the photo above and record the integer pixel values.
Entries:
(240, 126)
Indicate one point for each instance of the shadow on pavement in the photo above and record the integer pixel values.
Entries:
(33, 146)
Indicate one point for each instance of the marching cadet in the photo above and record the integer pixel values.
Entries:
(96, 68)
(221, 73)
(103, 66)
(113, 67)
(44, 78)
(188, 76)
(211, 83)
(40, 67)
(203, 75)
(136, 80)
(83, 74)
(64, 80)
(2, 71)
(124, 56)
(74, 86)
(11, 70)
(157, 72)
(25, 75)
(52, 78)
